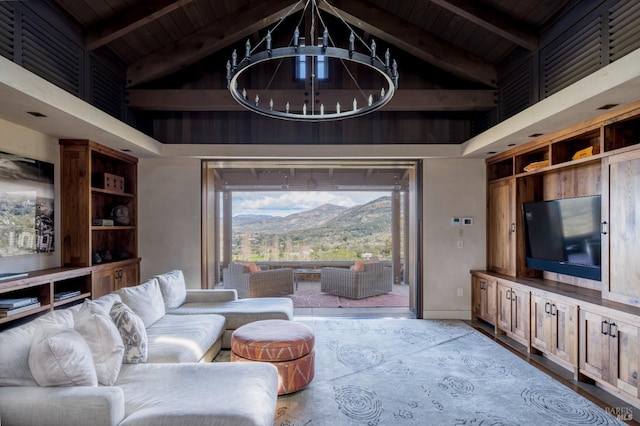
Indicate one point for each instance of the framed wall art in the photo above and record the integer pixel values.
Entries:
(26, 206)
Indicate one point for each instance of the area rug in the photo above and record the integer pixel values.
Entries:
(308, 295)
(418, 372)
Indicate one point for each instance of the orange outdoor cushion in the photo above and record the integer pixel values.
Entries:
(359, 265)
(250, 265)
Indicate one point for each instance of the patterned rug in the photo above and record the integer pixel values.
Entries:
(308, 295)
(416, 372)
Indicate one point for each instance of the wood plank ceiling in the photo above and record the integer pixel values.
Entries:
(461, 39)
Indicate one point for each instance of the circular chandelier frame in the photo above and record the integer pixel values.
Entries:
(386, 69)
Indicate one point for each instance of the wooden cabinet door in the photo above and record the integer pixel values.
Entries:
(620, 248)
(103, 282)
(501, 227)
(594, 345)
(488, 302)
(520, 313)
(624, 343)
(504, 307)
(129, 275)
(541, 333)
(564, 329)
(476, 296)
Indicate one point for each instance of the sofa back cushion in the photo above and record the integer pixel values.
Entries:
(15, 345)
(59, 356)
(145, 300)
(173, 288)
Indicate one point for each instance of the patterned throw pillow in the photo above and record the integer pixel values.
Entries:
(134, 335)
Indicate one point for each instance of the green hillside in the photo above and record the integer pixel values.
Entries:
(325, 233)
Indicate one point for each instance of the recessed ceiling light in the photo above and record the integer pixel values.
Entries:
(512, 144)
(125, 150)
(535, 135)
(608, 106)
(36, 113)
(492, 152)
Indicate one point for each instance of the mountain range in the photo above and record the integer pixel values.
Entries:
(323, 233)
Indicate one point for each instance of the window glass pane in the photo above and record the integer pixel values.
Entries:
(301, 67)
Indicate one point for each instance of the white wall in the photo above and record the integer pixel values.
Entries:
(169, 202)
(19, 140)
(170, 228)
(452, 188)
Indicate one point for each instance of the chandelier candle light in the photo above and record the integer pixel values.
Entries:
(365, 100)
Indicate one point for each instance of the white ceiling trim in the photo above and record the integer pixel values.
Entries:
(617, 83)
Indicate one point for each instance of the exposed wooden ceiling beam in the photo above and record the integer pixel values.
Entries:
(221, 100)
(129, 20)
(209, 40)
(492, 21)
(413, 39)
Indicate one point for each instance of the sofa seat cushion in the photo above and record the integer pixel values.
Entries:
(242, 311)
(179, 338)
(239, 394)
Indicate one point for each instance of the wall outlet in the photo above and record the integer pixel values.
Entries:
(460, 292)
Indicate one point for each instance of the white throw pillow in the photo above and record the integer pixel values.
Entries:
(173, 288)
(132, 331)
(145, 300)
(104, 340)
(59, 356)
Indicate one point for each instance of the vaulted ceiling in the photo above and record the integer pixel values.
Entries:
(456, 43)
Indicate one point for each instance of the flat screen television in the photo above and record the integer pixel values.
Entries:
(563, 236)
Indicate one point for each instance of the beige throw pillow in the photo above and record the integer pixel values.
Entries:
(104, 341)
(59, 356)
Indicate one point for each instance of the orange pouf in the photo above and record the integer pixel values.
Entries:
(286, 344)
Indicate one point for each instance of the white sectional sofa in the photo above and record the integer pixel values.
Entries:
(139, 357)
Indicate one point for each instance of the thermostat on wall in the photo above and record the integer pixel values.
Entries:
(467, 221)
(455, 221)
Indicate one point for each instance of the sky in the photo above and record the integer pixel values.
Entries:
(285, 203)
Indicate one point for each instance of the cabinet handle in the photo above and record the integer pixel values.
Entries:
(604, 228)
(513, 227)
(612, 332)
(513, 296)
(547, 308)
(508, 295)
(482, 285)
(603, 327)
(554, 309)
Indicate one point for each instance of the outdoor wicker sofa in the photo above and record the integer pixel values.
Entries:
(270, 283)
(372, 280)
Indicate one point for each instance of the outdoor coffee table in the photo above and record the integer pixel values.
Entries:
(297, 273)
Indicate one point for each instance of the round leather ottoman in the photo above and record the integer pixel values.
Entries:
(286, 344)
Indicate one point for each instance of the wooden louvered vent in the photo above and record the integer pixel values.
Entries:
(515, 91)
(574, 56)
(107, 90)
(7, 17)
(49, 54)
(624, 31)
